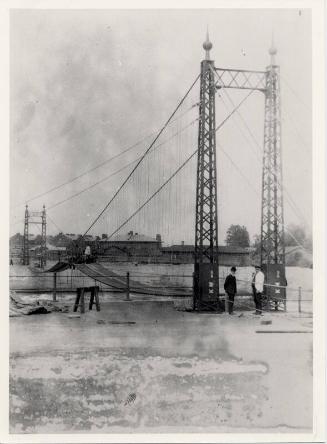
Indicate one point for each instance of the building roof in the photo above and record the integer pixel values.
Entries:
(221, 248)
(130, 237)
(49, 248)
(89, 237)
(72, 236)
(75, 237)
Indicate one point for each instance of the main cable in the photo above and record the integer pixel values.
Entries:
(110, 159)
(177, 171)
(259, 194)
(292, 203)
(143, 156)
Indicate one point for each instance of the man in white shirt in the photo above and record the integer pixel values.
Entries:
(258, 284)
(87, 254)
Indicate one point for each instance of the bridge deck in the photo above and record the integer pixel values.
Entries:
(108, 277)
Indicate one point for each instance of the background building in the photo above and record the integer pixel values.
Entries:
(227, 255)
(130, 246)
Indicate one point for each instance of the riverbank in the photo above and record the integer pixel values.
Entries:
(144, 366)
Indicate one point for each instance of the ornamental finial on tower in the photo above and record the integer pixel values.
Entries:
(272, 51)
(207, 45)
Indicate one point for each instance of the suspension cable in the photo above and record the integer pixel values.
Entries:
(288, 196)
(110, 159)
(258, 193)
(143, 156)
(93, 185)
(154, 194)
(178, 169)
(293, 91)
(295, 208)
(54, 223)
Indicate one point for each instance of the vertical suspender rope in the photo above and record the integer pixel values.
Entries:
(178, 169)
(146, 152)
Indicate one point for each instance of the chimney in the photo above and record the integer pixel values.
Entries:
(158, 238)
(182, 243)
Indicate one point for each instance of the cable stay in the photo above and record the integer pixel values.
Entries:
(119, 170)
(288, 196)
(143, 156)
(105, 162)
(258, 193)
(176, 171)
(295, 129)
(294, 92)
(154, 194)
(115, 172)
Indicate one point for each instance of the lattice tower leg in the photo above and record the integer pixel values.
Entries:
(206, 274)
(272, 207)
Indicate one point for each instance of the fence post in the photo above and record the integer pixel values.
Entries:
(299, 299)
(226, 303)
(193, 285)
(127, 287)
(54, 296)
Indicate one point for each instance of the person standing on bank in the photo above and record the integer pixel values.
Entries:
(230, 289)
(258, 285)
(253, 285)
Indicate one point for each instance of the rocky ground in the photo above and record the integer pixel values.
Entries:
(143, 366)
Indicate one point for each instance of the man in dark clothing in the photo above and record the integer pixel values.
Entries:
(253, 286)
(230, 289)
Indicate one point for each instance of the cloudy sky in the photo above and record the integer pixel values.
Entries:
(86, 85)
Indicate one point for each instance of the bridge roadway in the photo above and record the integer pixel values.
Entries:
(108, 277)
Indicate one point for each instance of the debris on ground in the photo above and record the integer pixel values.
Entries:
(101, 321)
(20, 307)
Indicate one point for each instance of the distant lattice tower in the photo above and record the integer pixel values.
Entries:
(272, 209)
(35, 217)
(43, 238)
(206, 276)
(26, 250)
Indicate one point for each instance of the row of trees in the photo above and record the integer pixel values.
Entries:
(295, 235)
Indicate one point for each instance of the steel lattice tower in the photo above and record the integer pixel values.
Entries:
(26, 250)
(272, 207)
(43, 238)
(34, 218)
(206, 275)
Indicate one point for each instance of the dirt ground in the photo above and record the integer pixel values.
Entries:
(144, 366)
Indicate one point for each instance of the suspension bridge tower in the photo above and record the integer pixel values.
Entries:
(206, 275)
(26, 249)
(35, 217)
(272, 206)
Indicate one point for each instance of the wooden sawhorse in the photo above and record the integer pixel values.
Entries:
(80, 300)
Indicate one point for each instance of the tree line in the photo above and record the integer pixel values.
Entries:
(295, 235)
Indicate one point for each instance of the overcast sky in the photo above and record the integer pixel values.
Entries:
(85, 85)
